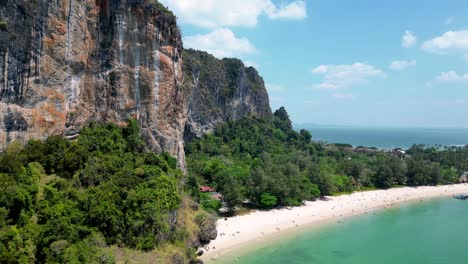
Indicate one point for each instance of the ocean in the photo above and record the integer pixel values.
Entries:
(387, 138)
(430, 232)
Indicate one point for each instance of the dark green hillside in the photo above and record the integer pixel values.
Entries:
(104, 198)
(265, 161)
(64, 202)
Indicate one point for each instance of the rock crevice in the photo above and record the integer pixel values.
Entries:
(221, 90)
(64, 63)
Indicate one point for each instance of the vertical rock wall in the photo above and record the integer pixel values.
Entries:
(66, 62)
(221, 90)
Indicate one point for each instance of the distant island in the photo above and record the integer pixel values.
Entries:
(387, 137)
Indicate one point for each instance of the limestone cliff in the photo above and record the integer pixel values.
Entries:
(221, 90)
(66, 62)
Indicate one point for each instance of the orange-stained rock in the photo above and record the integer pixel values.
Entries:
(65, 63)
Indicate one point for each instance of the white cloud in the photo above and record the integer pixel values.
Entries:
(294, 10)
(343, 96)
(452, 77)
(451, 41)
(248, 63)
(402, 65)
(222, 13)
(274, 88)
(221, 43)
(337, 77)
(449, 20)
(408, 40)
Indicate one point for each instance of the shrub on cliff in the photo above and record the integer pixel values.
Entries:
(3, 25)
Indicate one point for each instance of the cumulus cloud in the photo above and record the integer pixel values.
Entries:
(401, 65)
(449, 42)
(337, 77)
(221, 42)
(452, 77)
(294, 10)
(249, 63)
(408, 40)
(225, 13)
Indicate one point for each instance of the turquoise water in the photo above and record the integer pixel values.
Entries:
(434, 232)
(388, 137)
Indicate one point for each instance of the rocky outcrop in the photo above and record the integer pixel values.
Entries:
(208, 231)
(221, 90)
(66, 62)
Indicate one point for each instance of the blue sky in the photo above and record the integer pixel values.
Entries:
(361, 62)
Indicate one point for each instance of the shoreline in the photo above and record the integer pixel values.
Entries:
(238, 231)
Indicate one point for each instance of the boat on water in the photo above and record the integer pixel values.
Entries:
(461, 196)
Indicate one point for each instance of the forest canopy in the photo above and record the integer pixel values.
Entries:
(63, 201)
(266, 163)
(67, 201)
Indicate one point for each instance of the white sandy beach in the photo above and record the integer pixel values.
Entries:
(259, 225)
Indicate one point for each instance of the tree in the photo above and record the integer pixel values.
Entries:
(419, 172)
(319, 175)
(147, 210)
(398, 170)
(435, 174)
(306, 136)
(102, 190)
(55, 151)
(35, 150)
(267, 200)
(282, 115)
(384, 177)
(449, 176)
(11, 160)
(231, 190)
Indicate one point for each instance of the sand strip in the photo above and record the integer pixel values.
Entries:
(258, 225)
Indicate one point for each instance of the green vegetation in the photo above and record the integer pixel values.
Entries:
(262, 160)
(3, 25)
(266, 163)
(104, 198)
(64, 202)
(456, 157)
(223, 75)
(160, 7)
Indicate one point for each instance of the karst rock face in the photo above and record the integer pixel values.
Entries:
(221, 90)
(64, 63)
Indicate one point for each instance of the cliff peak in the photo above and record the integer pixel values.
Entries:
(222, 90)
(66, 63)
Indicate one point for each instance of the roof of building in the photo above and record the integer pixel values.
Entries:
(206, 189)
